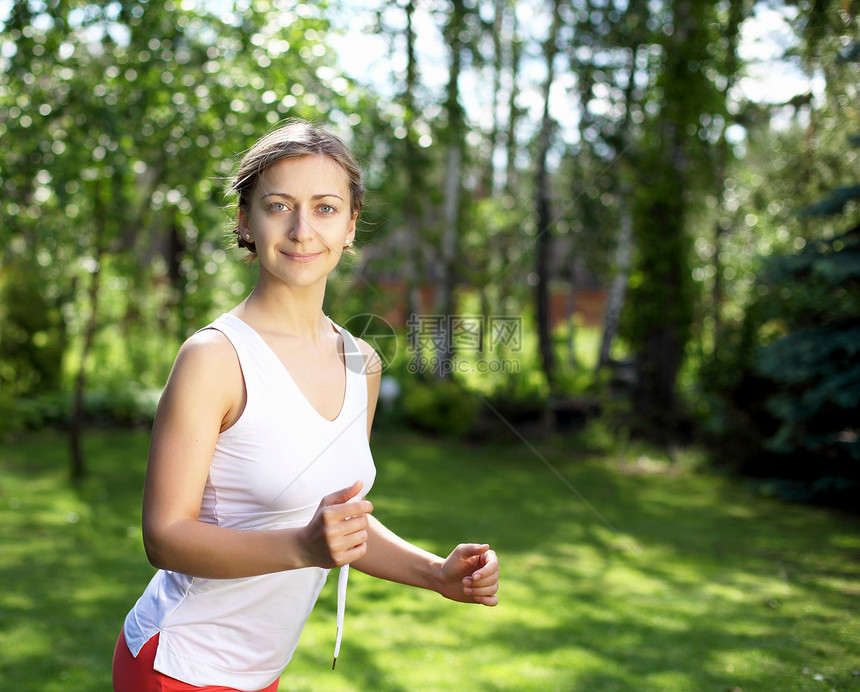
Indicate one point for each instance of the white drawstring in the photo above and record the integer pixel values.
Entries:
(342, 579)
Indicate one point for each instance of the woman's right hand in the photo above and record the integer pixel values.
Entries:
(338, 532)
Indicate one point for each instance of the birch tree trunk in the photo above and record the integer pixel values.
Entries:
(490, 180)
(451, 191)
(412, 228)
(624, 243)
(732, 66)
(618, 288)
(513, 110)
(571, 314)
(544, 214)
(512, 58)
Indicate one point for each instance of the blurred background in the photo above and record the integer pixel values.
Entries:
(642, 215)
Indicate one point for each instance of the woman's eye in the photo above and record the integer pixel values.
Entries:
(327, 209)
(278, 206)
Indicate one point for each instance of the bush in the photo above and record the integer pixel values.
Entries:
(439, 406)
(792, 375)
(132, 407)
(32, 338)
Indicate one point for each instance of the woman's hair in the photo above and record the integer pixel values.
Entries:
(291, 140)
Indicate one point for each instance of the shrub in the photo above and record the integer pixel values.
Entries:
(439, 406)
(131, 407)
(792, 375)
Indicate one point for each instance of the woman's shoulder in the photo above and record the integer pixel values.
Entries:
(367, 363)
(208, 349)
(372, 361)
(206, 379)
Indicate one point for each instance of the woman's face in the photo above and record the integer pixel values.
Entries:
(299, 217)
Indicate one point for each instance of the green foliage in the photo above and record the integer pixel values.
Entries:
(127, 118)
(816, 364)
(128, 407)
(661, 288)
(32, 337)
(124, 119)
(779, 392)
(808, 307)
(817, 284)
(671, 166)
(819, 392)
(440, 406)
(835, 202)
(792, 373)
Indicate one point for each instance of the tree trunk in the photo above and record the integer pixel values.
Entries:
(448, 254)
(665, 297)
(513, 110)
(721, 227)
(624, 243)
(544, 217)
(618, 288)
(412, 162)
(76, 424)
(511, 57)
(451, 191)
(489, 169)
(572, 359)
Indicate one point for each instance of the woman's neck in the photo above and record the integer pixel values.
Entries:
(286, 310)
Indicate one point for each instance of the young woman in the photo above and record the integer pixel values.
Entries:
(259, 460)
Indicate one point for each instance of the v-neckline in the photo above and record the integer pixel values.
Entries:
(342, 358)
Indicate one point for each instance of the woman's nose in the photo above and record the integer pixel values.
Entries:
(300, 228)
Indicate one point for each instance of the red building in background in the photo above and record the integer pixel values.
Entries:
(392, 304)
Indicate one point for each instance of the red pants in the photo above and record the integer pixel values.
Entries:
(132, 674)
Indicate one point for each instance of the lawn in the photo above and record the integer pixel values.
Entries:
(621, 571)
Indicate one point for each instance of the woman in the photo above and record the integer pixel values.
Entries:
(259, 459)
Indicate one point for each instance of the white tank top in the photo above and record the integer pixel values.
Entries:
(269, 471)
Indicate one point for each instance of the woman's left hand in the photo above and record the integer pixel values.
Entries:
(470, 574)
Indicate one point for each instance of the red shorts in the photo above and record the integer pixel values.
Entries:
(132, 674)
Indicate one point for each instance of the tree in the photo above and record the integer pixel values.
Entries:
(793, 386)
(405, 156)
(123, 116)
(453, 140)
(543, 195)
(618, 50)
(812, 404)
(662, 297)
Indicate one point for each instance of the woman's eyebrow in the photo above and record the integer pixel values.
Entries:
(291, 198)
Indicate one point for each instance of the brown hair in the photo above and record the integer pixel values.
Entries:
(291, 140)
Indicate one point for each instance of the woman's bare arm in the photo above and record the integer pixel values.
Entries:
(469, 574)
(204, 394)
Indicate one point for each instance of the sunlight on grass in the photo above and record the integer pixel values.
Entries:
(723, 589)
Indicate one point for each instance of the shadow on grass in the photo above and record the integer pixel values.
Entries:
(720, 590)
(72, 557)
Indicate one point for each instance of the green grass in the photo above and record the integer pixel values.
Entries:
(665, 579)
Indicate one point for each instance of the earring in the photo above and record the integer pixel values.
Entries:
(247, 236)
(348, 243)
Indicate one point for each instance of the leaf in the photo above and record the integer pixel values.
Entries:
(834, 203)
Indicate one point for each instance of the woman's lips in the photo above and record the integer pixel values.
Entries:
(302, 257)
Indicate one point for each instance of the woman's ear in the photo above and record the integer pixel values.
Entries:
(350, 234)
(242, 225)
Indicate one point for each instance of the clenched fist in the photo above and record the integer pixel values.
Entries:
(337, 534)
